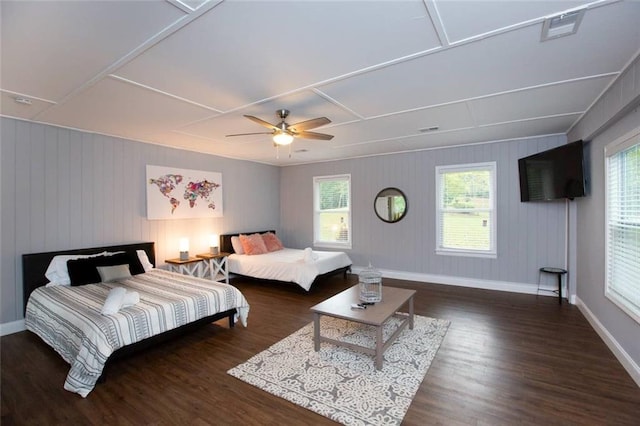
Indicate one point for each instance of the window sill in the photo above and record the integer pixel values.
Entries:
(624, 305)
(339, 246)
(466, 253)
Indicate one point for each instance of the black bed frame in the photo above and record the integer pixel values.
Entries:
(227, 247)
(34, 266)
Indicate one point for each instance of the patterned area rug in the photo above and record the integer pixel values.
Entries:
(343, 384)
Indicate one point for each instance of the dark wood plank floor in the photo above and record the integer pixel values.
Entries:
(506, 359)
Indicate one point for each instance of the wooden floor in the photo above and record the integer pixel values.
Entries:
(507, 359)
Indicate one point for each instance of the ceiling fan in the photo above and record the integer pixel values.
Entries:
(284, 133)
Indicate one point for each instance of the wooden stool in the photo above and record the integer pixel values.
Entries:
(557, 271)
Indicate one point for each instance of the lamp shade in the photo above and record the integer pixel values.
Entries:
(183, 245)
(282, 138)
(213, 244)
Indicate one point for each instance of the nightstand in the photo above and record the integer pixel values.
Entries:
(214, 265)
(191, 266)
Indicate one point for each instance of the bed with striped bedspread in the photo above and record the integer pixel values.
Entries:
(69, 318)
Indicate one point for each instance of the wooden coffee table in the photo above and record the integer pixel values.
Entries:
(339, 306)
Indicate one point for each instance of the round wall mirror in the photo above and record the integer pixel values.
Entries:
(390, 205)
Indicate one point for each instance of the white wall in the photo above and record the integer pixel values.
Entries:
(530, 235)
(64, 189)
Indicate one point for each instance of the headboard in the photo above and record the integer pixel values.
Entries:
(225, 239)
(34, 265)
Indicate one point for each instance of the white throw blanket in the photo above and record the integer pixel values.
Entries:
(309, 255)
(131, 298)
(119, 298)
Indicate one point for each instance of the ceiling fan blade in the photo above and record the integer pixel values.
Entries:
(309, 124)
(313, 135)
(262, 122)
(247, 134)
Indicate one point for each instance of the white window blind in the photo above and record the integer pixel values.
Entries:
(623, 224)
(332, 211)
(465, 216)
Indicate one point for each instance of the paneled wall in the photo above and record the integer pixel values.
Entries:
(615, 114)
(65, 189)
(530, 235)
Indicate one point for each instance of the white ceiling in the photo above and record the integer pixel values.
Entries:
(183, 74)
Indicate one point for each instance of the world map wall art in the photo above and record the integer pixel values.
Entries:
(183, 194)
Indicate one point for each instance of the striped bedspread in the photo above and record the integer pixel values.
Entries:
(69, 318)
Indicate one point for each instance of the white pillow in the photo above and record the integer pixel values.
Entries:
(144, 260)
(237, 245)
(57, 272)
(113, 303)
(113, 273)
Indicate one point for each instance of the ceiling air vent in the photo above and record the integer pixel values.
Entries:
(561, 25)
(23, 101)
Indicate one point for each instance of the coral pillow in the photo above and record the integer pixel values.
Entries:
(272, 242)
(253, 244)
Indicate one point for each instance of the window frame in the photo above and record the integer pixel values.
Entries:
(317, 242)
(440, 171)
(619, 145)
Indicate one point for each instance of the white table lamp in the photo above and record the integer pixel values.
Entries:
(184, 248)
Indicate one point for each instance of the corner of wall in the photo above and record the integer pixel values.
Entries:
(617, 100)
(12, 327)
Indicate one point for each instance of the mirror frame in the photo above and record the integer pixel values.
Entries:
(399, 193)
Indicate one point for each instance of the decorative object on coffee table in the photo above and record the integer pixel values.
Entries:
(370, 281)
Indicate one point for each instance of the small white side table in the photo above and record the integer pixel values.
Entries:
(214, 265)
(191, 266)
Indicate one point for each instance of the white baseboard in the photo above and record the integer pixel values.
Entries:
(12, 327)
(627, 362)
(466, 282)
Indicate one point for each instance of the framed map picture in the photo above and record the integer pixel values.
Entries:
(183, 194)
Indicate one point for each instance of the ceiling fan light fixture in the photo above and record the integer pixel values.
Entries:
(282, 138)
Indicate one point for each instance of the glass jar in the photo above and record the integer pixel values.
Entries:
(370, 281)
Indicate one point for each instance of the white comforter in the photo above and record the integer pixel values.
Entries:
(70, 321)
(288, 265)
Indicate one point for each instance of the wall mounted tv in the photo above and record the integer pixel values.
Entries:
(554, 174)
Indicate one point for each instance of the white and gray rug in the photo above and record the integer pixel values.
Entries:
(343, 384)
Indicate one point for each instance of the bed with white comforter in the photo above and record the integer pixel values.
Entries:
(289, 265)
(69, 319)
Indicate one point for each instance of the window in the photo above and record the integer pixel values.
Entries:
(622, 192)
(465, 216)
(332, 211)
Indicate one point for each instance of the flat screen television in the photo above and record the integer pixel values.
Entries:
(554, 174)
